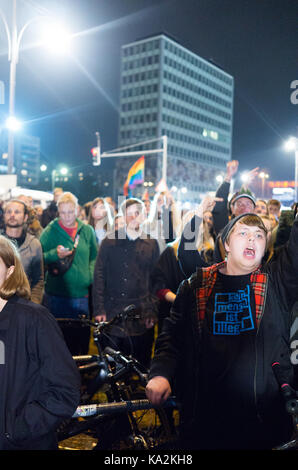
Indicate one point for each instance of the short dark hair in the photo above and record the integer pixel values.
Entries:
(130, 202)
(274, 202)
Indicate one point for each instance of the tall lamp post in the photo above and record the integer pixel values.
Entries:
(292, 145)
(14, 38)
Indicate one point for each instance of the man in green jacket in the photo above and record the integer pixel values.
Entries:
(66, 295)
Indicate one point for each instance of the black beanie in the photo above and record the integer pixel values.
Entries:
(231, 224)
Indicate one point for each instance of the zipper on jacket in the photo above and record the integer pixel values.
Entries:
(256, 350)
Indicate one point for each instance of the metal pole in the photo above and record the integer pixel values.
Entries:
(12, 86)
(165, 158)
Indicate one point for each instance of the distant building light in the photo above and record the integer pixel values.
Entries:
(214, 135)
(282, 184)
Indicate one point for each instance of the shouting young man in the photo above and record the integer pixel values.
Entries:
(229, 323)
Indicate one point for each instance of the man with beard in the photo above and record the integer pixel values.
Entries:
(15, 228)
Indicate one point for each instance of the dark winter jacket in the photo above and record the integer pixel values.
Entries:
(178, 353)
(122, 274)
(167, 276)
(40, 384)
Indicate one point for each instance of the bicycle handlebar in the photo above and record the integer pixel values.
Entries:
(127, 362)
(289, 394)
(131, 312)
(121, 407)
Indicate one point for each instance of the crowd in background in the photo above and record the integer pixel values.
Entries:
(78, 263)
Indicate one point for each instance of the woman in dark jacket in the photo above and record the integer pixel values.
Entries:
(39, 381)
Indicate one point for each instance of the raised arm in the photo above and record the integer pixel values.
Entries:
(188, 255)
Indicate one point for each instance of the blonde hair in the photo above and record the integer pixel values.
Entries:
(17, 283)
(67, 197)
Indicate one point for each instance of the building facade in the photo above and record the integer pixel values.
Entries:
(168, 90)
(26, 159)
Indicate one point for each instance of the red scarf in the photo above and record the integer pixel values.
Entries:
(71, 231)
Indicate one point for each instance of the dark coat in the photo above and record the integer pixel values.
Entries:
(122, 274)
(40, 384)
(167, 274)
(178, 354)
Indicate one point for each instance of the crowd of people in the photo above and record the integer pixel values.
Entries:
(215, 288)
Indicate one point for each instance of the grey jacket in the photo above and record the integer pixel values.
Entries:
(32, 260)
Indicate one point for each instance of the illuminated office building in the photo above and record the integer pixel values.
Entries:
(168, 90)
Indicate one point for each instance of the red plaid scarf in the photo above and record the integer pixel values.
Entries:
(208, 278)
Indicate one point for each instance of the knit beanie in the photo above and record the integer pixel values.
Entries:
(231, 224)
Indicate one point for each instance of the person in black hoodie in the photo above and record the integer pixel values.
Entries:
(51, 212)
(229, 323)
(39, 381)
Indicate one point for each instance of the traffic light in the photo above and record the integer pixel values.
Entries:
(95, 151)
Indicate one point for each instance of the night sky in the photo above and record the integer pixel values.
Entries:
(65, 100)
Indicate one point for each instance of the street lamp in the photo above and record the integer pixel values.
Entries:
(291, 145)
(13, 124)
(14, 38)
(63, 171)
(178, 191)
(56, 39)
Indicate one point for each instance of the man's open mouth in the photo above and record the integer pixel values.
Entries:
(249, 252)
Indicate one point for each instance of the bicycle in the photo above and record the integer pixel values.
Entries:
(114, 385)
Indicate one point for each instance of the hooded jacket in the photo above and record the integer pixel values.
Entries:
(179, 357)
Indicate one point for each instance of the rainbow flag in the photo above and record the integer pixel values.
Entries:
(135, 175)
